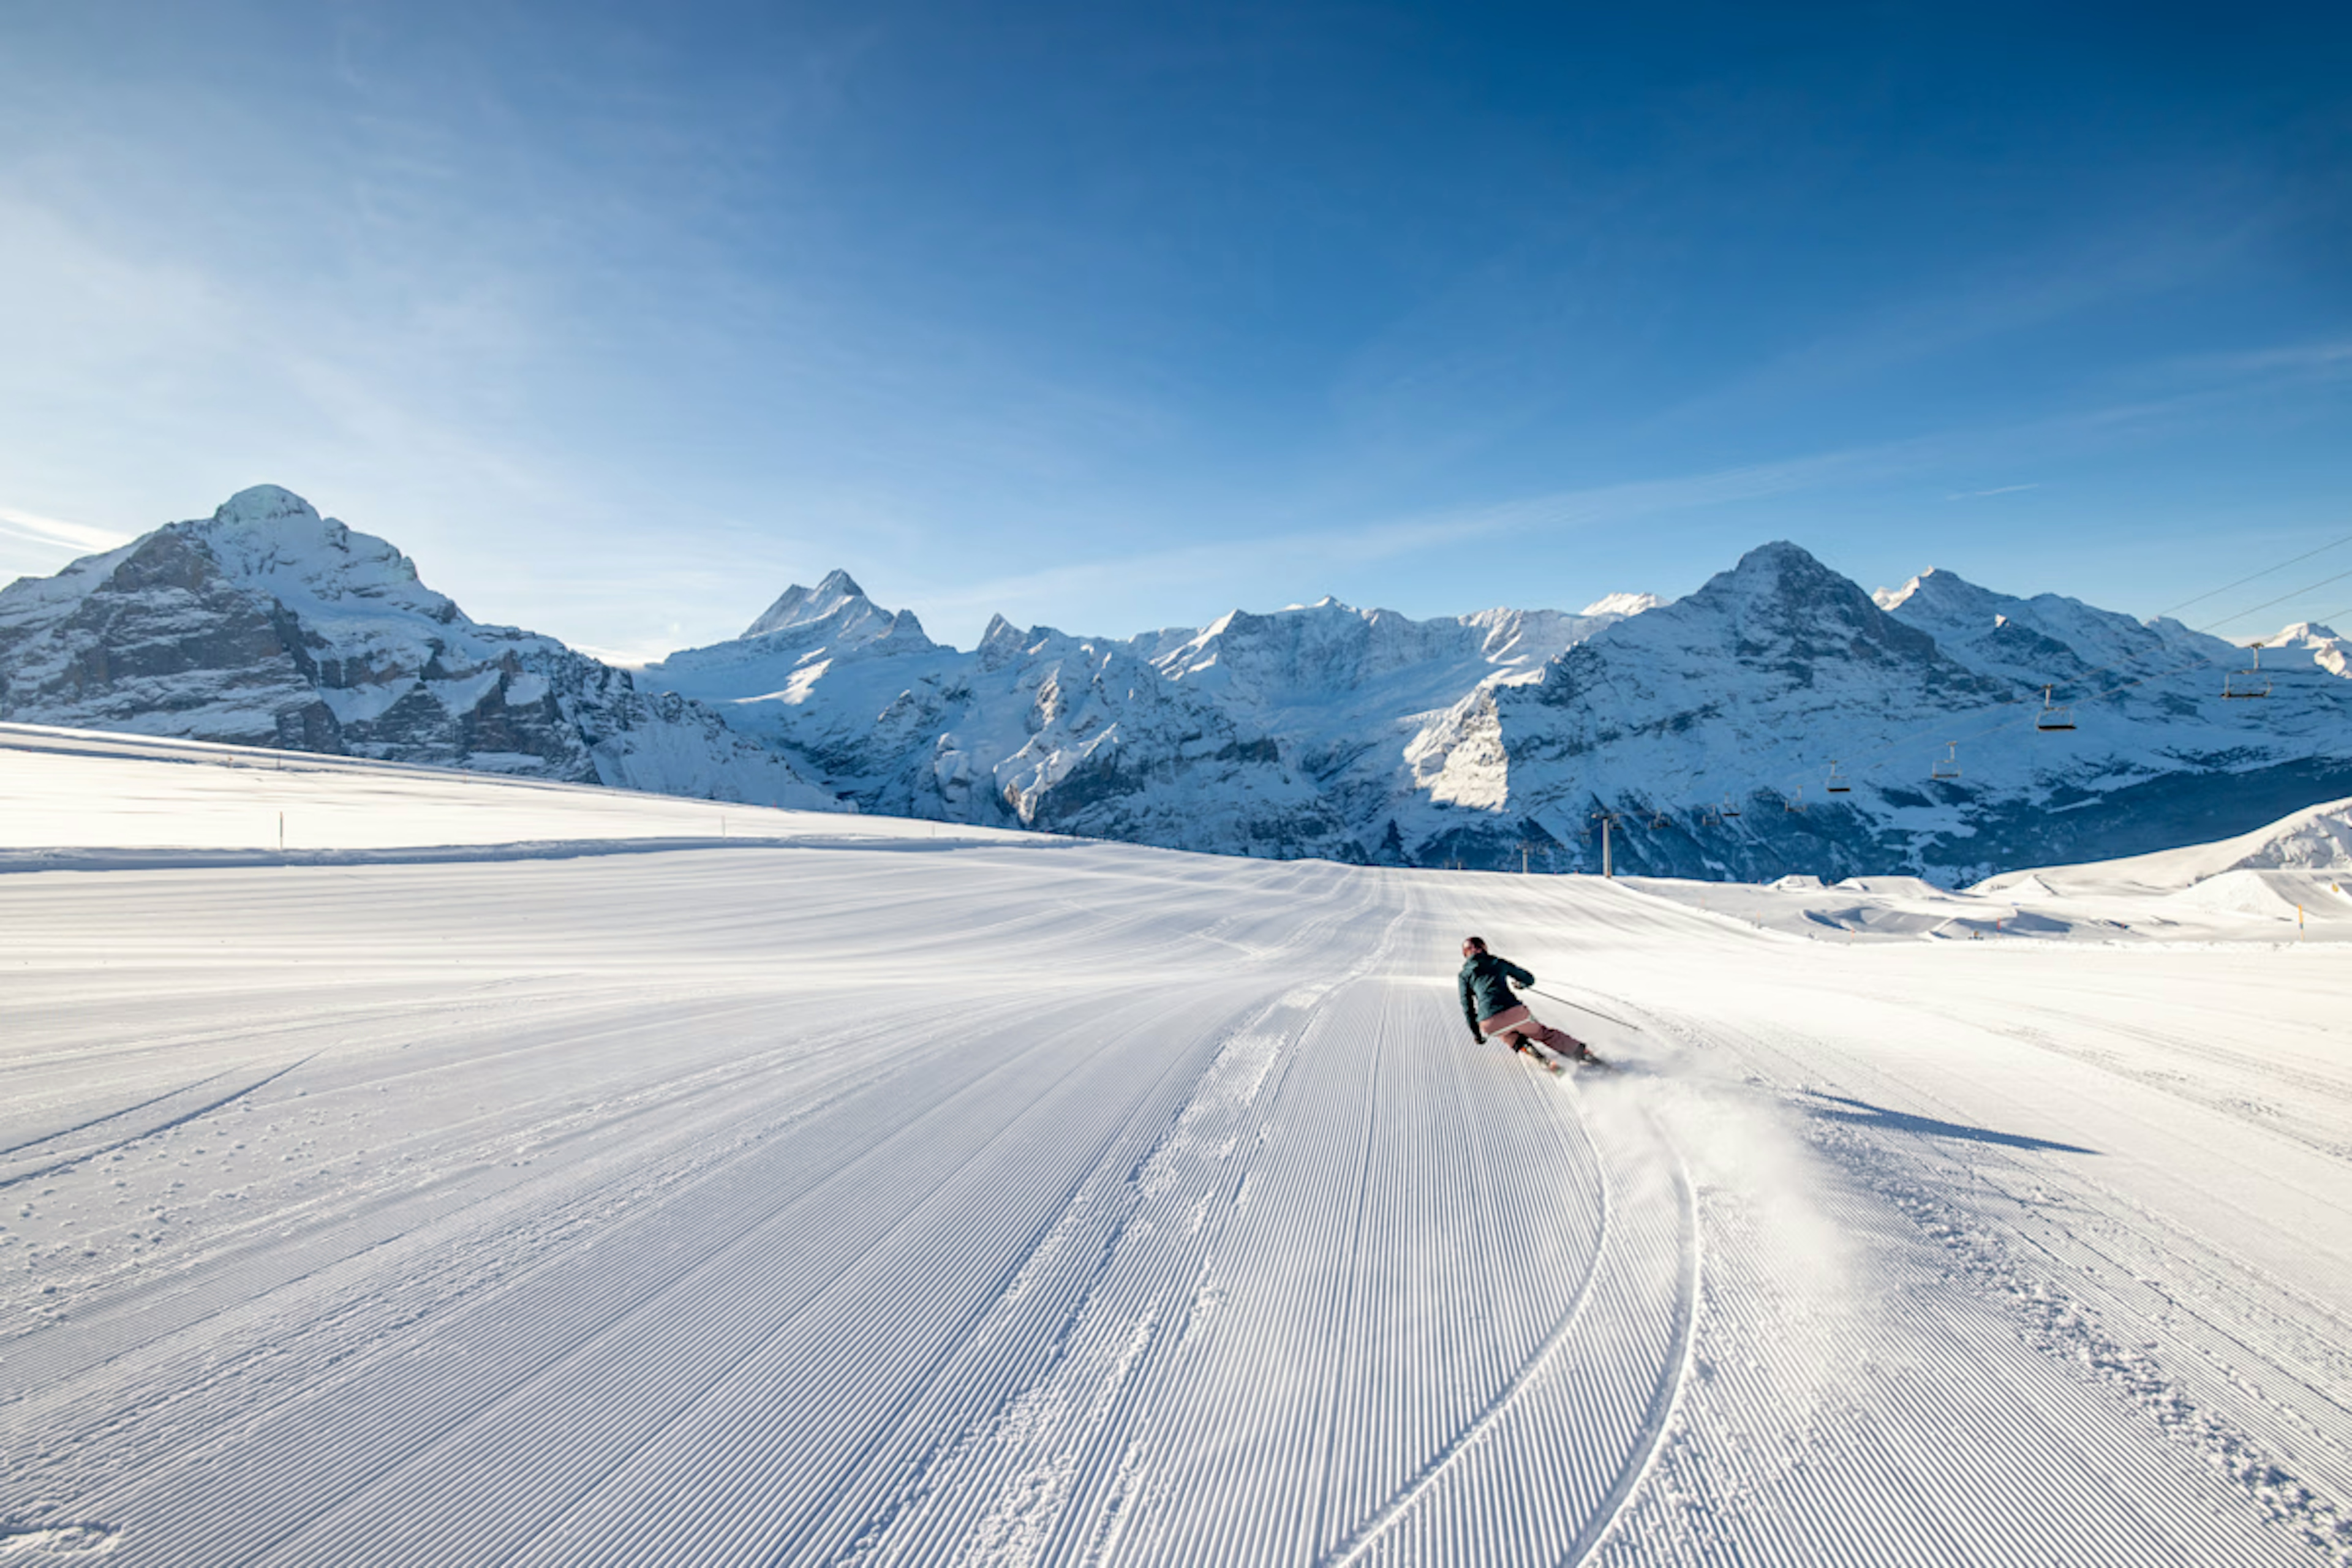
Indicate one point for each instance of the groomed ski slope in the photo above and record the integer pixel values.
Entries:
(505, 1186)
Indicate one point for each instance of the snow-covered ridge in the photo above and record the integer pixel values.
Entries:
(1621, 605)
(1493, 738)
(1250, 734)
(1777, 720)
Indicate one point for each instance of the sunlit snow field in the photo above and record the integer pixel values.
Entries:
(503, 1172)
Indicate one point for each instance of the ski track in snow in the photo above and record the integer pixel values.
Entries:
(834, 1204)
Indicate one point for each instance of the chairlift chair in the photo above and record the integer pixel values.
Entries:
(2248, 682)
(1947, 766)
(1838, 782)
(1795, 801)
(2052, 716)
(1728, 809)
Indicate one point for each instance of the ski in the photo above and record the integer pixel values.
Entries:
(1558, 1066)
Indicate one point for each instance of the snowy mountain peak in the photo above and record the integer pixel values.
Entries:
(2327, 649)
(1002, 643)
(260, 505)
(1784, 583)
(2047, 637)
(792, 642)
(1621, 605)
(266, 528)
(802, 606)
(1786, 623)
(268, 539)
(1937, 591)
(1776, 568)
(2300, 633)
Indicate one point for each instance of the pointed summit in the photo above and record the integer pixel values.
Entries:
(1782, 579)
(802, 606)
(1780, 608)
(1938, 591)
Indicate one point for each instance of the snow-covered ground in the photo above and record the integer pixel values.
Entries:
(518, 1173)
(105, 802)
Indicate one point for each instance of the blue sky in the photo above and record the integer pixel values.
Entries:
(619, 318)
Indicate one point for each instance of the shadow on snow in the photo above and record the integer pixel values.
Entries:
(1864, 1114)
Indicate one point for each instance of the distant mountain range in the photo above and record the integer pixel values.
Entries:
(1706, 729)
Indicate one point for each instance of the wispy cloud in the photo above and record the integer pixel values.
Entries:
(2091, 269)
(1288, 557)
(2327, 357)
(53, 531)
(1282, 557)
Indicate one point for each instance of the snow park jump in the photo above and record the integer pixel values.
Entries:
(519, 1172)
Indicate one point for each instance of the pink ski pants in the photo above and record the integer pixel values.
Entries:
(1519, 1021)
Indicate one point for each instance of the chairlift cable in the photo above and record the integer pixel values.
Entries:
(2265, 572)
(2282, 599)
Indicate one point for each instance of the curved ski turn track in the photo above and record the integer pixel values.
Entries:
(1085, 1204)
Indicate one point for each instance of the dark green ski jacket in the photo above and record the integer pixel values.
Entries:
(1486, 988)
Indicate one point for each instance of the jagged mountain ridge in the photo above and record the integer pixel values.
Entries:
(1494, 740)
(1487, 740)
(269, 624)
(1745, 693)
(1265, 734)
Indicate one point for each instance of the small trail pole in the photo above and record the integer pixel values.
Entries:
(1523, 859)
(281, 832)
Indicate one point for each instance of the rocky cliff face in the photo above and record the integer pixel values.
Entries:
(268, 624)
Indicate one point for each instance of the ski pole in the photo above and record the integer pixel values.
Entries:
(1581, 1007)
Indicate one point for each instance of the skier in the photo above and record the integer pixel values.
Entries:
(1492, 1010)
